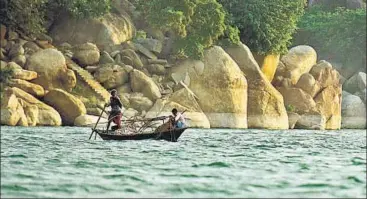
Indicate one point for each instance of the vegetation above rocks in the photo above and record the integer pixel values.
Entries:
(193, 24)
(31, 16)
(339, 34)
(266, 27)
(5, 75)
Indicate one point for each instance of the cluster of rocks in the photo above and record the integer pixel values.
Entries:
(148, 86)
(354, 102)
(37, 93)
(225, 89)
(311, 91)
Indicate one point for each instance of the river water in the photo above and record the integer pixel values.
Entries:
(62, 162)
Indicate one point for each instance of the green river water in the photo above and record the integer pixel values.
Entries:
(62, 162)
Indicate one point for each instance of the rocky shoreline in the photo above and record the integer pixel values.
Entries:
(64, 78)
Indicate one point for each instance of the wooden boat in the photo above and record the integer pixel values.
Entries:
(141, 129)
(170, 135)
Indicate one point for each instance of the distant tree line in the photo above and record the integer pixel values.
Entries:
(338, 33)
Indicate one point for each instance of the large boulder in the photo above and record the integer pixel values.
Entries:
(47, 116)
(181, 74)
(33, 89)
(298, 61)
(133, 57)
(301, 101)
(187, 98)
(144, 84)
(268, 64)
(140, 103)
(126, 88)
(153, 45)
(12, 65)
(111, 76)
(156, 69)
(325, 75)
(195, 118)
(292, 119)
(66, 104)
(328, 103)
(105, 58)
(311, 120)
(86, 54)
(356, 83)
(12, 112)
(104, 31)
(124, 98)
(362, 95)
(308, 84)
(16, 49)
(221, 89)
(31, 111)
(51, 68)
(145, 51)
(89, 121)
(265, 104)
(130, 113)
(19, 59)
(353, 112)
(24, 74)
(31, 47)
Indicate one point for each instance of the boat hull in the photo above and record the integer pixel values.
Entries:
(171, 136)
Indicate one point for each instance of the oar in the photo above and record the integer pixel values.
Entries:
(95, 126)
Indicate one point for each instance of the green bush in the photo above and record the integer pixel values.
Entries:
(290, 108)
(140, 34)
(30, 16)
(338, 34)
(194, 24)
(6, 74)
(82, 8)
(266, 26)
(24, 15)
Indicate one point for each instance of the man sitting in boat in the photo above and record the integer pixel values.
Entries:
(178, 120)
(115, 114)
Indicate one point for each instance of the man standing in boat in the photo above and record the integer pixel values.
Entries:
(177, 119)
(115, 114)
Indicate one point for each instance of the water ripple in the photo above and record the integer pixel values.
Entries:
(62, 162)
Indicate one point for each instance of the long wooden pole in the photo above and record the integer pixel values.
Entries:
(95, 126)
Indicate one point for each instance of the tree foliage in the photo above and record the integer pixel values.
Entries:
(30, 16)
(82, 8)
(6, 74)
(266, 27)
(24, 15)
(194, 24)
(339, 33)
